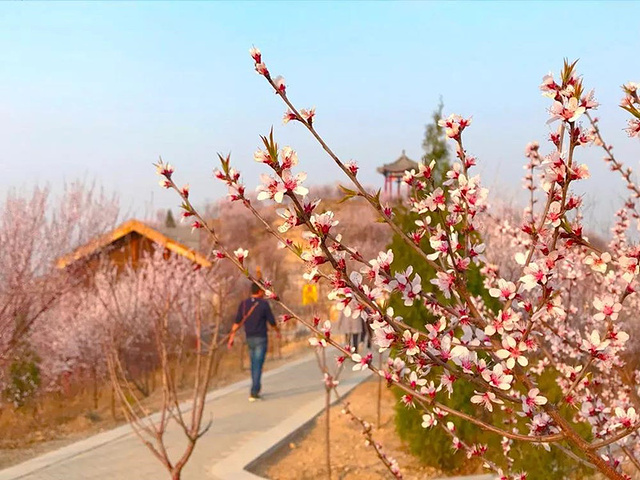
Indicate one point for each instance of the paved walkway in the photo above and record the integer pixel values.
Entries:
(240, 432)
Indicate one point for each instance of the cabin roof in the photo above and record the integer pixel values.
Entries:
(128, 227)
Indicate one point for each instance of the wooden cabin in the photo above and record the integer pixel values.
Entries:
(127, 244)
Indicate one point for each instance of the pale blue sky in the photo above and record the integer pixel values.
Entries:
(99, 90)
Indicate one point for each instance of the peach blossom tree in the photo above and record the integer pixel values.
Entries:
(36, 229)
(565, 303)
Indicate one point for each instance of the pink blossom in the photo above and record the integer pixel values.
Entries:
(415, 382)
(628, 418)
(241, 254)
(288, 158)
(429, 420)
(568, 110)
(361, 363)
(549, 86)
(607, 307)
(554, 217)
(633, 130)
(384, 334)
(308, 115)
(593, 344)
(505, 291)
(410, 343)
(435, 200)
(497, 378)
(288, 116)
(598, 263)
(444, 281)
(541, 424)
(409, 288)
(533, 399)
(534, 275)
(290, 217)
(164, 169)
(505, 321)
(324, 222)
(629, 267)
(454, 125)
(325, 328)
(456, 444)
(262, 156)
(512, 351)
(270, 189)
(293, 183)
(318, 342)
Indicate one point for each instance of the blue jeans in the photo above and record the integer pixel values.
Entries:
(257, 354)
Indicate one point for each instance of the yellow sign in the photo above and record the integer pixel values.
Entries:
(309, 294)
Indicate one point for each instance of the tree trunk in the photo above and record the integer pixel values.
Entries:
(113, 403)
(379, 387)
(327, 409)
(94, 374)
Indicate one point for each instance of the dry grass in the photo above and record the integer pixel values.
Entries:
(304, 457)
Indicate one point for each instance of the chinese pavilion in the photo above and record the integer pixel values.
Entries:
(394, 172)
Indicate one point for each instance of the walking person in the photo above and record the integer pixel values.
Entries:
(365, 336)
(351, 328)
(254, 313)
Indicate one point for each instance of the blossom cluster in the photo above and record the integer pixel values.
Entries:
(631, 103)
(552, 302)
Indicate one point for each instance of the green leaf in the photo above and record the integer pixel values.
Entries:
(632, 110)
(348, 193)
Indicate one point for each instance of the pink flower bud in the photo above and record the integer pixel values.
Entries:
(261, 68)
(308, 115)
(196, 225)
(255, 54)
(353, 167)
(279, 83)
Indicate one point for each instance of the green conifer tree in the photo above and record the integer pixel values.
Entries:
(433, 446)
(169, 221)
(435, 144)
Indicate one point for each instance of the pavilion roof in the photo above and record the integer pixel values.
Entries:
(399, 166)
(132, 226)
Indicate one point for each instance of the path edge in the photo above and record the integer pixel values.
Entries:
(236, 465)
(97, 440)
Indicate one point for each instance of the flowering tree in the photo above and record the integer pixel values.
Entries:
(560, 303)
(34, 231)
(162, 317)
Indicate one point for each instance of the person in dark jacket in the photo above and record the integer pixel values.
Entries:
(254, 313)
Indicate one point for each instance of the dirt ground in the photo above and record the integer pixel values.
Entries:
(57, 422)
(304, 457)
